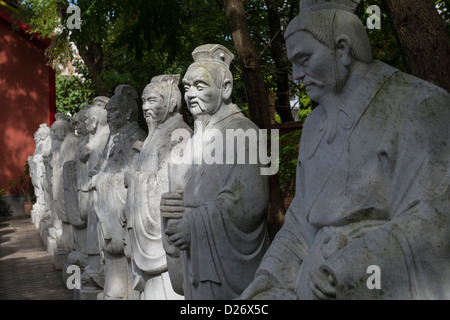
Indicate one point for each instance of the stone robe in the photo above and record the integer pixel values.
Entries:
(377, 195)
(110, 206)
(66, 153)
(76, 180)
(145, 186)
(226, 206)
(37, 178)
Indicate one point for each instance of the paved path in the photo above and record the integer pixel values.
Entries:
(27, 272)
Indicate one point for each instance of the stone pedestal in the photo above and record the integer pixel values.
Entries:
(59, 258)
(43, 231)
(51, 245)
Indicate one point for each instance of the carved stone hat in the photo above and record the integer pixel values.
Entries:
(102, 100)
(213, 53)
(166, 79)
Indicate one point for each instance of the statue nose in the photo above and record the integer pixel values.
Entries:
(298, 73)
(191, 93)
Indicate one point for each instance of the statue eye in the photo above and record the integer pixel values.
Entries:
(201, 86)
(304, 61)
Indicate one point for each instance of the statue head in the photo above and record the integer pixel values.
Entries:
(60, 128)
(323, 42)
(100, 101)
(43, 132)
(96, 114)
(122, 108)
(161, 98)
(37, 137)
(208, 82)
(79, 120)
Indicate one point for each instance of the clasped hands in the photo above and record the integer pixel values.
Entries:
(177, 230)
(322, 284)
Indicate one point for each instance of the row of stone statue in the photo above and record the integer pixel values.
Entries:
(145, 220)
(107, 191)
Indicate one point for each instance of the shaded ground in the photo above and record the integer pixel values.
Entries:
(27, 272)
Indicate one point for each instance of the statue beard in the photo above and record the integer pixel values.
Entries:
(331, 107)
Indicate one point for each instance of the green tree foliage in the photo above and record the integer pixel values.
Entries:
(73, 91)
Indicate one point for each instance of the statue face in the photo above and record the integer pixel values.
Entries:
(312, 64)
(115, 114)
(80, 124)
(91, 123)
(202, 95)
(153, 106)
(57, 132)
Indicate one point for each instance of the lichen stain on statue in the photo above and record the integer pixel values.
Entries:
(147, 181)
(118, 158)
(372, 175)
(219, 229)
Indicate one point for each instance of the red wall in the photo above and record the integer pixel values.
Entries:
(26, 98)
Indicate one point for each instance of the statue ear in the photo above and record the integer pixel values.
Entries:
(227, 89)
(344, 49)
(172, 105)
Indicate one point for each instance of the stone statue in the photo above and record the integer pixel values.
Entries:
(162, 102)
(46, 214)
(119, 157)
(222, 232)
(62, 230)
(39, 173)
(370, 218)
(51, 230)
(92, 277)
(76, 180)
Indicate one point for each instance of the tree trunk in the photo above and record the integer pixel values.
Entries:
(423, 38)
(257, 97)
(258, 101)
(92, 55)
(282, 102)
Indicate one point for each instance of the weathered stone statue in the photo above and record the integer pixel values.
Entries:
(222, 232)
(92, 278)
(46, 214)
(147, 182)
(62, 230)
(52, 229)
(119, 156)
(370, 218)
(39, 173)
(76, 180)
